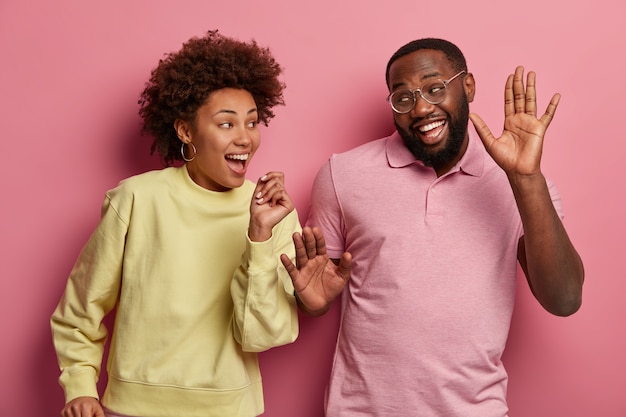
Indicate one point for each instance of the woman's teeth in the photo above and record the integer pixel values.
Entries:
(243, 157)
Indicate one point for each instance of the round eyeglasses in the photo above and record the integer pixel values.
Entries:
(434, 92)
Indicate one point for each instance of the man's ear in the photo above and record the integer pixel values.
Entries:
(183, 130)
(469, 85)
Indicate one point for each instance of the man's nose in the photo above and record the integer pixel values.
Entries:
(421, 107)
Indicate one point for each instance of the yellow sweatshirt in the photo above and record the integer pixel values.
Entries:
(194, 298)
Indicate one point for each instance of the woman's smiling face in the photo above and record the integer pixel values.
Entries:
(225, 136)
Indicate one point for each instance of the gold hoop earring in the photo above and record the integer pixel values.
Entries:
(182, 152)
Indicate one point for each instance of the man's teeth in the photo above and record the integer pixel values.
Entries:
(243, 157)
(431, 126)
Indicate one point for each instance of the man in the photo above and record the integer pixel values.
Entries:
(429, 225)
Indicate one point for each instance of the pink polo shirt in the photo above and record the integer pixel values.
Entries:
(426, 314)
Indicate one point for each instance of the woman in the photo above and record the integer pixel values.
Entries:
(188, 255)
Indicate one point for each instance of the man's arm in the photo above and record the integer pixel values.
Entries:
(552, 266)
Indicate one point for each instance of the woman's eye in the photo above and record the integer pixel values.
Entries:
(226, 125)
(252, 124)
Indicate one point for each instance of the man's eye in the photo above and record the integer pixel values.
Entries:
(436, 88)
(403, 97)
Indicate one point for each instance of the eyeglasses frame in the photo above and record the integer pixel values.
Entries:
(419, 90)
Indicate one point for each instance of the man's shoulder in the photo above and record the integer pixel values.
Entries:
(372, 149)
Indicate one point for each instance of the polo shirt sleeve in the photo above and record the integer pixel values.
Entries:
(325, 211)
(265, 309)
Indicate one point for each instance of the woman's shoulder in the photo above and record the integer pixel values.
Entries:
(148, 179)
(149, 182)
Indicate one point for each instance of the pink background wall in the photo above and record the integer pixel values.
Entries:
(70, 75)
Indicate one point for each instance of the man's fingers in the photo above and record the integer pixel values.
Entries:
(301, 252)
(314, 242)
(531, 95)
(309, 242)
(519, 95)
(482, 129)
(345, 266)
(509, 105)
(546, 119)
(320, 242)
(289, 266)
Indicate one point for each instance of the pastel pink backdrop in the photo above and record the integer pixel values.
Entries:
(70, 75)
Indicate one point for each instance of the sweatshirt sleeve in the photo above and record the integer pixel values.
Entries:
(90, 294)
(265, 311)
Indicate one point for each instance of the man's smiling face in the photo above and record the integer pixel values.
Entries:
(435, 133)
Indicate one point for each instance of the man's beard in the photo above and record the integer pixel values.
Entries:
(457, 129)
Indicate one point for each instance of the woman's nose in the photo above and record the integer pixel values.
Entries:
(244, 137)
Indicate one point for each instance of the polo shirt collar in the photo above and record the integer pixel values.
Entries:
(472, 163)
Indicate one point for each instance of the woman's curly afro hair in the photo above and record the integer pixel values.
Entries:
(183, 81)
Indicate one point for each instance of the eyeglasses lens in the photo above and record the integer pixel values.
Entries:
(404, 100)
